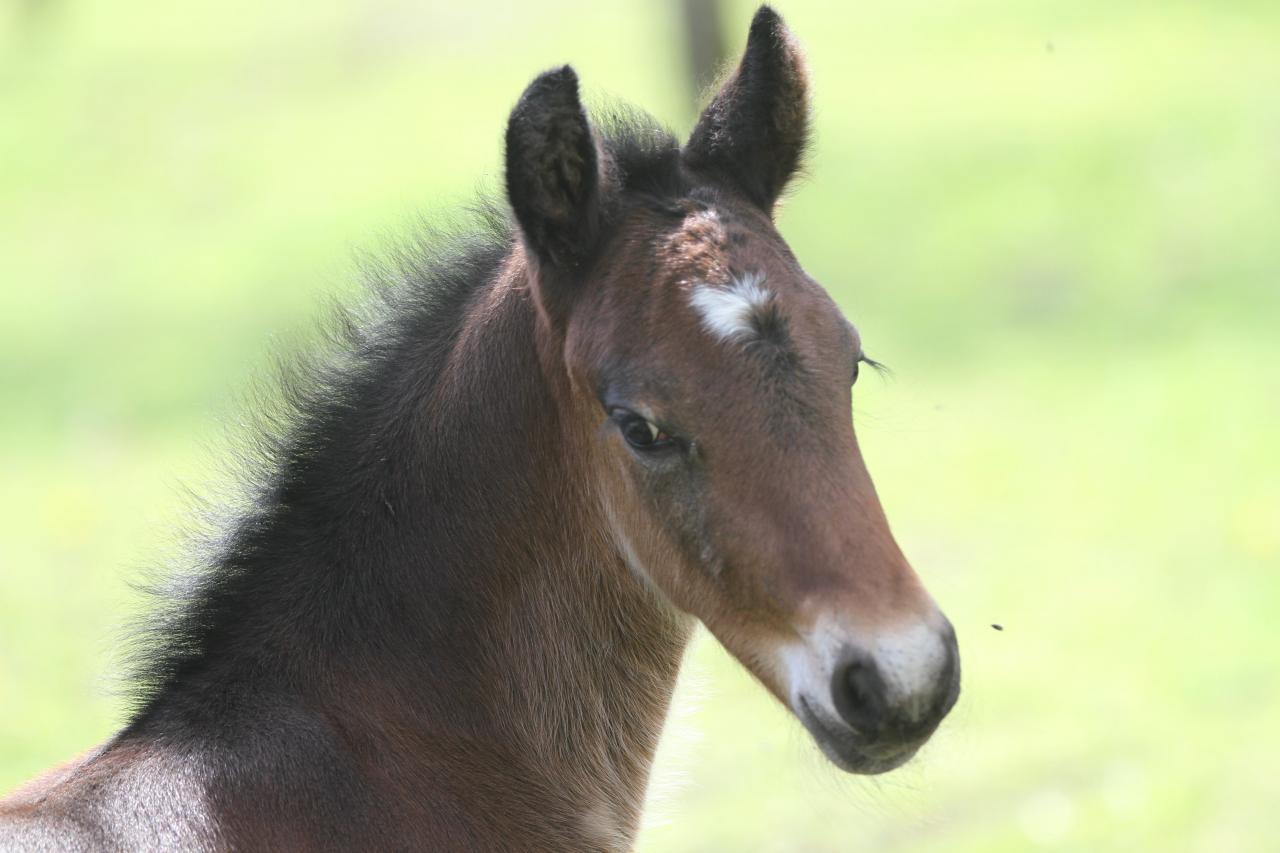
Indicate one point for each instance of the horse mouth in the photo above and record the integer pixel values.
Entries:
(847, 749)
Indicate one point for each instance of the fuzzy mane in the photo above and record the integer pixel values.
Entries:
(324, 439)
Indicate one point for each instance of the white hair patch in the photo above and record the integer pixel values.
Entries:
(727, 312)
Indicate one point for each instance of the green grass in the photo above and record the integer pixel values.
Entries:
(1057, 222)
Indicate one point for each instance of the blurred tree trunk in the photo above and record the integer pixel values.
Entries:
(33, 17)
(704, 42)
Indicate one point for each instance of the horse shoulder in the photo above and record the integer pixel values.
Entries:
(117, 796)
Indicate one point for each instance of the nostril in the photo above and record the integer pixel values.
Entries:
(858, 692)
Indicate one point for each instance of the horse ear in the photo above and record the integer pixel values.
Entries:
(755, 130)
(553, 176)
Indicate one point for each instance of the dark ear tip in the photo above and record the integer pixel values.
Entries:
(567, 72)
(564, 76)
(558, 84)
(765, 14)
(766, 22)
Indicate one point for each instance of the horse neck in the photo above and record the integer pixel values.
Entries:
(488, 627)
(580, 657)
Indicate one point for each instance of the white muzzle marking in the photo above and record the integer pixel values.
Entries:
(910, 660)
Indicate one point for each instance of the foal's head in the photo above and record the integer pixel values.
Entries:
(711, 383)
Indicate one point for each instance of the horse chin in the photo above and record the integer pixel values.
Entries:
(844, 748)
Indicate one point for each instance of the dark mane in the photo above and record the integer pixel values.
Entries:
(645, 153)
(325, 437)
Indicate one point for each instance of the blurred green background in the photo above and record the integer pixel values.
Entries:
(1058, 222)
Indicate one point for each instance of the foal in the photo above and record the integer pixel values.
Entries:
(454, 615)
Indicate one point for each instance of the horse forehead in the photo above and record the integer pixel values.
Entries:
(718, 276)
(711, 242)
(718, 245)
(763, 303)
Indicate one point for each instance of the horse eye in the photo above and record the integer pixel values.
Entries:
(638, 432)
(854, 378)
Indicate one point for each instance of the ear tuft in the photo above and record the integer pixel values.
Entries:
(755, 130)
(553, 169)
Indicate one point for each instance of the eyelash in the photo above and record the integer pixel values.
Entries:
(870, 362)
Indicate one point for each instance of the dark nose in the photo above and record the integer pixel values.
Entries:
(879, 710)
